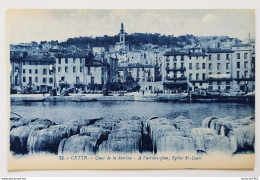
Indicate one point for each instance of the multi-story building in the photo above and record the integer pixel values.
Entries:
(70, 70)
(219, 67)
(196, 70)
(243, 67)
(174, 71)
(139, 72)
(37, 73)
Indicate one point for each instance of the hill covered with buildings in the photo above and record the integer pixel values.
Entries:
(150, 62)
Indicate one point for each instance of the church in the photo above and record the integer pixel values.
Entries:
(122, 45)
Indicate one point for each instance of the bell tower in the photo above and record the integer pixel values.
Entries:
(122, 34)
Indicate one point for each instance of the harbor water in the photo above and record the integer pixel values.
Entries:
(60, 112)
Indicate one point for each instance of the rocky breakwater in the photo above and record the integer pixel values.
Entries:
(134, 135)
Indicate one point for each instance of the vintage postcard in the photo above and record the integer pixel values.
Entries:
(131, 89)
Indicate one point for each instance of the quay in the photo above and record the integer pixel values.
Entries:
(132, 96)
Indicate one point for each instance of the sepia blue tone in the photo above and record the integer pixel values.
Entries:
(134, 93)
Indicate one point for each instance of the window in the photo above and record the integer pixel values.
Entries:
(218, 56)
(190, 65)
(167, 65)
(63, 78)
(197, 65)
(59, 69)
(245, 56)
(36, 79)
(36, 71)
(80, 61)
(227, 56)
(175, 75)
(50, 72)
(238, 65)
(203, 65)
(80, 69)
(30, 63)
(24, 79)
(74, 60)
(190, 76)
(174, 58)
(74, 69)
(182, 58)
(182, 65)
(197, 76)
(175, 65)
(24, 71)
(30, 79)
(210, 65)
(66, 60)
(24, 63)
(209, 57)
(197, 57)
(238, 55)
(92, 80)
(246, 73)
(77, 80)
(227, 65)
(90, 72)
(190, 57)
(203, 76)
(59, 60)
(246, 64)
(66, 69)
(43, 80)
(30, 71)
(44, 71)
(238, 74)
(50, 80)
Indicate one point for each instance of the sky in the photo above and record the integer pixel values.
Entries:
(24, 26)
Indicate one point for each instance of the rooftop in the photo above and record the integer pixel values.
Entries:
(218, 50)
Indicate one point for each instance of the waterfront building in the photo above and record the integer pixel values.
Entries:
(219, 65)
(70, 70)
(196, 70)
(243, 67)
(174, 75)
(16, 70)
(139, 72)
(96, 74)
(37, 73)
